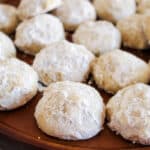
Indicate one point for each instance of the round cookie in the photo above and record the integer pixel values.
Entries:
(7, 48)
(8, 18)
(128, 113)
(63, 61)
(28, 8)
(99, 37)
(71, 111)
(115, 10)
(18, 83)
(135, 31)
(74, 12)
(34, 34)
(144, 7)
(118, 69)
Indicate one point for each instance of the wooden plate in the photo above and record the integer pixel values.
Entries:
(20, 124)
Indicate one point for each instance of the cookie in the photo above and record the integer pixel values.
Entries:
(34, 34)
(74, 12)
(128, 113)
(28, 8)
(7, 48)
(117, 69)
(63, 61)
(135, 31)
(71, 111)
(18, 83)
(8, 18)
(99, 37)
(115, 10)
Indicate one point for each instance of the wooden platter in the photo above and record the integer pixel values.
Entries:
(20, 124)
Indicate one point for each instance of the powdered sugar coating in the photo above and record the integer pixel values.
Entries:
(115, 10)
(28, 8)
(71, 111)
(99, 37)
(135, 31)
(63, 61)
(118, 69)
(129, 111)
(8, 18)
(74, 12)
(7, 48)
(34, 34)
(18, 83)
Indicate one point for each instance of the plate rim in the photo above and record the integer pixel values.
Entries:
(21, 137)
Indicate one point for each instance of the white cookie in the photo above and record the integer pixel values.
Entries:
(114, 10)
(31, 8)
(118, 69)
(128, 113)
(99, 37)
(74, 12)
(144, 7)
(135, 31)
(63, 61)
(7, 48)
(8, 18)
(34, 34)
(70, 111)
(18, 83)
